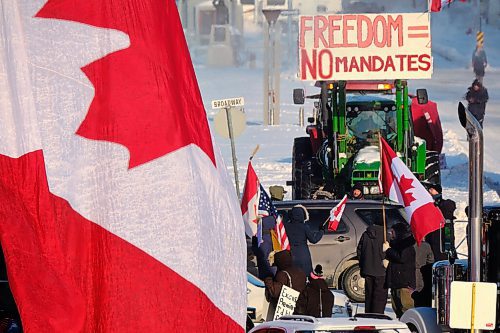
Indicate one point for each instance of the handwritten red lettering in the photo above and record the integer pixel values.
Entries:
(303, 29)
(320, 25)
(346, 27)
(364, 24)
(325, 63)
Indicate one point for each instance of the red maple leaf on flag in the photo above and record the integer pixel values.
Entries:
(405, 184)
(138, 101)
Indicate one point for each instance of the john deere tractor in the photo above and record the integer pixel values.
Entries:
(342, 146)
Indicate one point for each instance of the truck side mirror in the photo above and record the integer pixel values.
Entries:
(298, 96)
(422, 97)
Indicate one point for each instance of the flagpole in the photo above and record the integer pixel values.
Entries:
(254, 152)
(382, 187)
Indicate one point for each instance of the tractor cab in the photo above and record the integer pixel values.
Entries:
(343, 144)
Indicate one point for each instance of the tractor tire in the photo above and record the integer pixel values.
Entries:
(353, 284)
(432, 168)
(301, 157)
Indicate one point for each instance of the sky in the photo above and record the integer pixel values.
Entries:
(452, 47)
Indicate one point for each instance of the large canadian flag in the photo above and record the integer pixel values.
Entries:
(401, 185)
(116, 211)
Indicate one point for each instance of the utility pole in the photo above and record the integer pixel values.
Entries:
(271, 67)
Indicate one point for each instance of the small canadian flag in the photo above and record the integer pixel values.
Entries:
(399, 184)
(336, 214)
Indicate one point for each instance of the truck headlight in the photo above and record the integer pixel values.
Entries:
(374, 190)
(366, 190)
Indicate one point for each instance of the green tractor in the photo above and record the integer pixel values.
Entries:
(342, 148)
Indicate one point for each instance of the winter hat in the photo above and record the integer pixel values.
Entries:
(299, 214)
(317, 273)
(402, 230)
(358, 186)
(277, 192)
(437, 187)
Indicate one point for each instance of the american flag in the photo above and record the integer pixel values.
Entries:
(267, 208)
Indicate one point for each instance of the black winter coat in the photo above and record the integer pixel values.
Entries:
(401, 269)
(298, 234)
(436, 238)
(297, 280)
(370, 252)
(309, 303)
(477, 102)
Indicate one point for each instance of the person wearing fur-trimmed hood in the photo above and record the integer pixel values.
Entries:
(299, 233)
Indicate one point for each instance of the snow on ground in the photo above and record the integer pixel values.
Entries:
(452, 50)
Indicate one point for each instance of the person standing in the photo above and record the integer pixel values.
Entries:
(221, 12)
(479, 62)
(477, 96)
(371, 256)
(316, 299)
(424, 258)
(447, 207)
(299, 233)
(400, 274)
(287, 275)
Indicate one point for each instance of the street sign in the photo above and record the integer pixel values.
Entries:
(480, 38)
(473, 305)
(238, 123)
(365, 46)
(227, 103)
(291, 12)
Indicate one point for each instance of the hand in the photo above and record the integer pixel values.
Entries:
(385, 262)
(385, 246)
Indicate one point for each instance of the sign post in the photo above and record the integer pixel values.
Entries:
(229, 105)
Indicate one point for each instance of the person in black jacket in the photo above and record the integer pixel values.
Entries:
(371, 258)
(477, 96)
(299, 233)
(316, 300)
(287, 275)
(447, 208)
(400, 275)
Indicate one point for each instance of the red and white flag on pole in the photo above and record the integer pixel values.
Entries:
(400, 185)
(117, 212)
(281, 233)
(250, 201)
(436, 5)
(336, 214)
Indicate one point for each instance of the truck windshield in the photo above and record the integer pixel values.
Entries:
(364, 125)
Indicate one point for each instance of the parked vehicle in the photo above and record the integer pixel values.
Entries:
(336, 251)
(360, 323)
